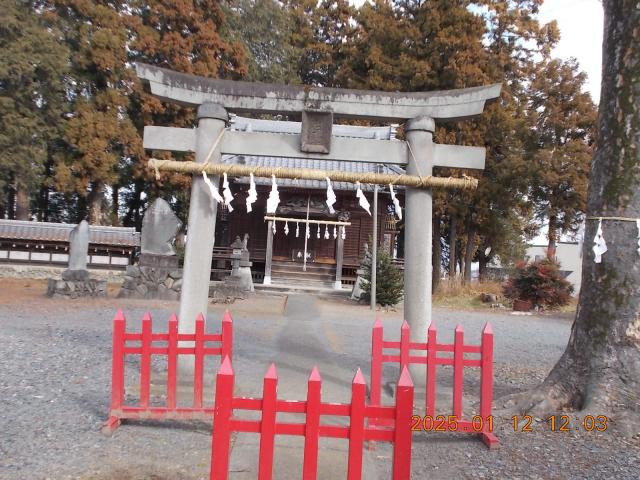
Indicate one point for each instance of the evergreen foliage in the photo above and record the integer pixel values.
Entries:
(389, 280)
(72, 110)
(539, 282)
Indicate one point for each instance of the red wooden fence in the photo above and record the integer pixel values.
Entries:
(480, 424)
(146, 341)
(224, 423)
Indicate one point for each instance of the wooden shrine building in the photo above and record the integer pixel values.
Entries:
(296, 196)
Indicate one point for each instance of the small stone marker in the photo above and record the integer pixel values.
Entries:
(75, 281)
(78, 251)
(157, 274)
(159, 227)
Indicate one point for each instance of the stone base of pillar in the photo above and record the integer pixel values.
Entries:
(267, 280)
(337, 285)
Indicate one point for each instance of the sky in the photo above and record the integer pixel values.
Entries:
(581, 24)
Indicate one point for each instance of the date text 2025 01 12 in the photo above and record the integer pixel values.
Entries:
(557, 423)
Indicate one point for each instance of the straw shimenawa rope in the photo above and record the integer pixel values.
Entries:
(465, 183)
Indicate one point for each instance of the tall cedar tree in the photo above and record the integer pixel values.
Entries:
(599, 372)
(562, 119)
(99, 134)
(264, 30)
(33, 64)
(184, 36)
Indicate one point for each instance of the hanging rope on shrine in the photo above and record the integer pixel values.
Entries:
(416, 181)
(307, 221)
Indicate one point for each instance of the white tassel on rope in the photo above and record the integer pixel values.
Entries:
(286, 228)
(212, 188)
(226, 191)
(396, 202)
(253, 194)
(297, 230)
(326, 232)
(331, 197)
(362, 200)
(638, 225)
(600, 246)
(274, 196)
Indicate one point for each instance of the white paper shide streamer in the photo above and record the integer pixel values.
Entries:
(343, 234)
(331, 196)
(273, 227)
(362, 200)
(253, 194)
(297, 230)
(308, 231)
(396, 202)
(326, 232)
(318, 233)
(212, 188)
(226, 191)
(599, 244)
(335, 232)
(274, 196)
(286, 228)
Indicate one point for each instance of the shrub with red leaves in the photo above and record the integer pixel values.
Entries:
(539, 282)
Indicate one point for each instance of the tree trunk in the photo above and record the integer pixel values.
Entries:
(23, 207)
(553, 236)
(482, 267)
(115, 205)
(11, 203)
(599, 371)
(94, 199)
(453, 239)
(469, 250)
(437, 253)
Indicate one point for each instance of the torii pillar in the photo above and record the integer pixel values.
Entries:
(417, 239)
(194, 298)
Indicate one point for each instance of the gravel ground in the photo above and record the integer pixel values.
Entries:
(55, 381)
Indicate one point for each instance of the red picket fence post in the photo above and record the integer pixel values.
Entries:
(480, 424)
(221, 437)
(146, 347)
(224, 423)
(486, 375)
(402, 440)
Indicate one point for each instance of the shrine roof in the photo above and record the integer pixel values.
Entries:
(59, 232)
(273, 126)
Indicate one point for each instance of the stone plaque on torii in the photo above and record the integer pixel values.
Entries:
(318, 106)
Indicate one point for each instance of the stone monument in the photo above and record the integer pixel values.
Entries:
(157, 274)
(240, 282)
(75, 279)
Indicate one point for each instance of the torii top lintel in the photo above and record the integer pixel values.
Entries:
(248, 97)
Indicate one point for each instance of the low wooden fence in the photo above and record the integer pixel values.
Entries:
(146, 340)
(224, 423)
(405, 355)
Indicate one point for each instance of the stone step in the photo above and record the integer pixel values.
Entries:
(322, 277)
(297, 267)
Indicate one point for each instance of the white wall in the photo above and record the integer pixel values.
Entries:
(568, 254)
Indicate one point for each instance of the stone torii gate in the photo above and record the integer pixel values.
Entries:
(318, 106)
